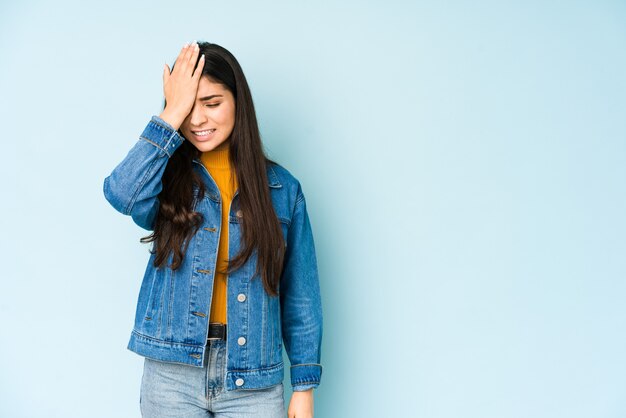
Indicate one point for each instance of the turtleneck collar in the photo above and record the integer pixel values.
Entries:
(217, 158)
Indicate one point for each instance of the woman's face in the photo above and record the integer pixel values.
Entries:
(214, 109)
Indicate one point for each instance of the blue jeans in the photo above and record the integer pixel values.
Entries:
(180, 390)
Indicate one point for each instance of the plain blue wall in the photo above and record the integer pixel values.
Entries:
(464, 164)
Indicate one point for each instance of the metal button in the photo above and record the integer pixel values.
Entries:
(241, 340)
(239, 213)
(239, 382)
(241, 297)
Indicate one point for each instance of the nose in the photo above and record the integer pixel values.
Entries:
(197, 117)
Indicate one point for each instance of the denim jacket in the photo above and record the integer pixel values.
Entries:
(173, 306)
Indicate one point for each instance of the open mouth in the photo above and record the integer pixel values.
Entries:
(204, 135)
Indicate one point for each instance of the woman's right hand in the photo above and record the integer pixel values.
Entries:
(180, 86)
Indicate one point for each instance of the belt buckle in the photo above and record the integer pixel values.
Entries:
(221, 327)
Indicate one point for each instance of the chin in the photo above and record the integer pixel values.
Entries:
(206, 146)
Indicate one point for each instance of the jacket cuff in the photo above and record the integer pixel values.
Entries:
(305, 376)
(302, 388)
(162, 135)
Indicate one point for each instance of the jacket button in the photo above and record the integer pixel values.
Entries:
(239, 213)
(239, 382)
(241, 340)
(241, 297)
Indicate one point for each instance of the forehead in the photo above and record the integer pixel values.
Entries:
(207, 87)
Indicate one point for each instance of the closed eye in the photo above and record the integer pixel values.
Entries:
(213, 105)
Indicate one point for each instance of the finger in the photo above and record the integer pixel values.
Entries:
(186, 59)
(194, 50)
(166, 73)
(181, 58)
(199, 68)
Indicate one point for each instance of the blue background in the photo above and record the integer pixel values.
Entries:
(464, 166)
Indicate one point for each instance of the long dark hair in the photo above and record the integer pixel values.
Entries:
(177, 222)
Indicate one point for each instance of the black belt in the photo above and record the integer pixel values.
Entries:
(217, 331)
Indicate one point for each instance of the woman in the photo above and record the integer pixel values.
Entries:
(232, 272)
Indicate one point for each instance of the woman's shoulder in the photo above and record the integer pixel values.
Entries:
(286, 189)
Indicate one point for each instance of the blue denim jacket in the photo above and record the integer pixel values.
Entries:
(173, 307)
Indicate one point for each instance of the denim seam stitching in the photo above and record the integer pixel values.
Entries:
(306, 364)
(169, 142)
(153, 143)
(295, 208)
(156, 122)
(277, 366)
(165, 342)
(299, 199)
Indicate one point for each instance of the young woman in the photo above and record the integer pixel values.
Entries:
(232, 272)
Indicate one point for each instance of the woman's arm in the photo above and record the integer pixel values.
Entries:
(301, 404)
(133, 185)
(301, 307)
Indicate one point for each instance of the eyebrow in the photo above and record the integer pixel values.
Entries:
(210, 97)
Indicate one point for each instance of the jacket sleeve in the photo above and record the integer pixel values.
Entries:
(301, 308)
(133, 186)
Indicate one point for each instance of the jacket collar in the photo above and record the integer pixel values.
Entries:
(272, 177)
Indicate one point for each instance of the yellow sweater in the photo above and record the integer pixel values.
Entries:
(217, 163)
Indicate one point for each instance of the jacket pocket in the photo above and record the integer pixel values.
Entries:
(154, 308)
